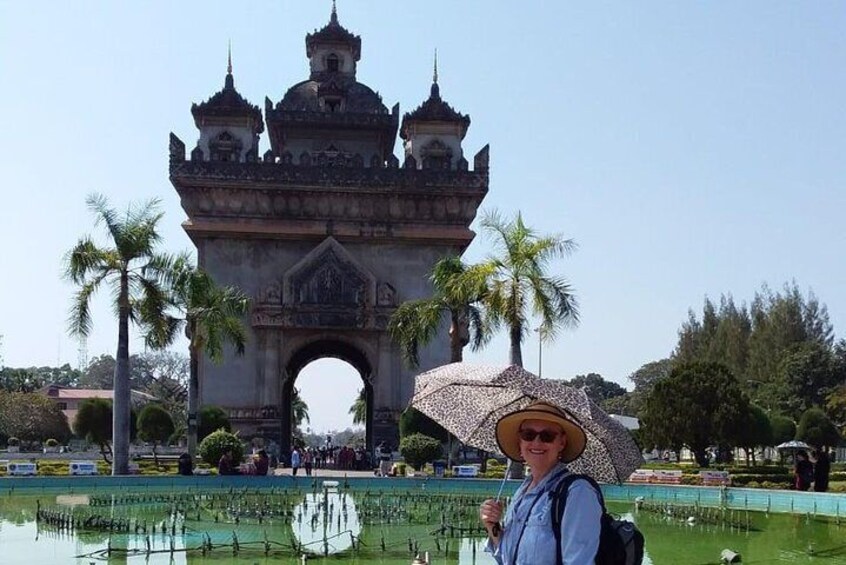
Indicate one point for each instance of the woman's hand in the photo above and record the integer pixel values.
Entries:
(490, 513)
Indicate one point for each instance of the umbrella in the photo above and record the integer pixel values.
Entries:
(467, 400)
(793, 445)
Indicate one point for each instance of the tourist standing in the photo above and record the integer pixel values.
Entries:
(822, 468)
(383, 453)
(803, 471)
(545, 438)
(307, 460)
(295, 461)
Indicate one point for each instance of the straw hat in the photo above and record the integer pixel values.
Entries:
(508, 426)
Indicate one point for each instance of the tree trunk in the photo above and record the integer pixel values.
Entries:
(193, 401)
(456, 348)
(122, 393)
(515, 353)
(701, 457)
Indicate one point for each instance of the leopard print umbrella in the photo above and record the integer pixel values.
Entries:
(468, 399)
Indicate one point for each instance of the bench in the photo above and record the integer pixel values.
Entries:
(642, 476)
(21, 469)
(715, 478)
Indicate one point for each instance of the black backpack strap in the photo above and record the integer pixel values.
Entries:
(559, 501)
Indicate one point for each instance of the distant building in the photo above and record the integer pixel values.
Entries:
(69, 399)
(628, 422)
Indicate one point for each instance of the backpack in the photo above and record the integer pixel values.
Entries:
(620, 542)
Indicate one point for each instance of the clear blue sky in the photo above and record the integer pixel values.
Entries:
(691, 149)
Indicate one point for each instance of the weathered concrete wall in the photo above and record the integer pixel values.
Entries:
(257, 379)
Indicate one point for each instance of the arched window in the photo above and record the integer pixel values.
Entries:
(225, 147)
(333, 63)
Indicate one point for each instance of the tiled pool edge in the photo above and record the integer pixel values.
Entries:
(782, 501)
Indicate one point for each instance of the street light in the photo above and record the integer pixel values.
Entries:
(539, 330)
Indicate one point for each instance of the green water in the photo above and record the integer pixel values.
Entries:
(275, 526)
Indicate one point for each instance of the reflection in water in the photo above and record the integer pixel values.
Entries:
(278, 526)
(333, 526)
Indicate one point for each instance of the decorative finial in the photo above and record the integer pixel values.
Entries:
(229, 62)
(435, 77)
(230, 82)
(334, 18)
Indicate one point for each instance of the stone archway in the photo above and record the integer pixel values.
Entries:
(327, 230)
(322, 348)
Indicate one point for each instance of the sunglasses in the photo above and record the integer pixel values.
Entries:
(545, 436)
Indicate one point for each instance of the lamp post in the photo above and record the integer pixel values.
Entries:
(539, 331)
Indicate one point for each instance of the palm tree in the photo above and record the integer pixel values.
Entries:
(212, 317)
(518, 286)
(359, 408)
(299, 409)
(415, 323)
(133, 270)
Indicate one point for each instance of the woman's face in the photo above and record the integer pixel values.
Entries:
(539, 454)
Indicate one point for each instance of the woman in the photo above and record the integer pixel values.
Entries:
(261, 464)
(545, 438)
(803, 471)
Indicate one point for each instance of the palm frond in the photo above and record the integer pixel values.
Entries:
(99, 204)
(414, 324)
(84, 258)
(79, 318)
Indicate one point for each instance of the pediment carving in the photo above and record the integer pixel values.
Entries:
(329, 276)
(271, 294)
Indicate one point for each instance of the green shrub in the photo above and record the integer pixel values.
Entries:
(51, 442)
(746, 480)
(214, 445)
(212, 418)
(412, 421)
(417, 450)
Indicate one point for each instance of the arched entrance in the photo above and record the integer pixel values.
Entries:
(321, 349)
(326, 230)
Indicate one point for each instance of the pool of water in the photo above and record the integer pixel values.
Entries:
(364, 523)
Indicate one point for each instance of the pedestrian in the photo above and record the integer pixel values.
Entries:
(185, 466)
(822, 468)
(307, 460)
(803, 471)
(383, 453)
(261, 463)
(295, 461)
(546, 439)
(226, 465)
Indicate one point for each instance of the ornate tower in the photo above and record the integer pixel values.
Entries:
(229, 125)
(326, 231)
(432, 134)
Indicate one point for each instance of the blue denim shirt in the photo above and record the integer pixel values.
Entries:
(527, 537)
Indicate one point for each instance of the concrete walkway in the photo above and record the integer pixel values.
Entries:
(336, 473)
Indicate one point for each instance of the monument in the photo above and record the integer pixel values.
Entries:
(327, 230)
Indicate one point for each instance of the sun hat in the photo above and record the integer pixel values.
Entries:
(508, 426)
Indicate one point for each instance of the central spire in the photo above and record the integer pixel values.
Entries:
(230, 80)
(229, 59)
(333, 19)
(435, 93)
